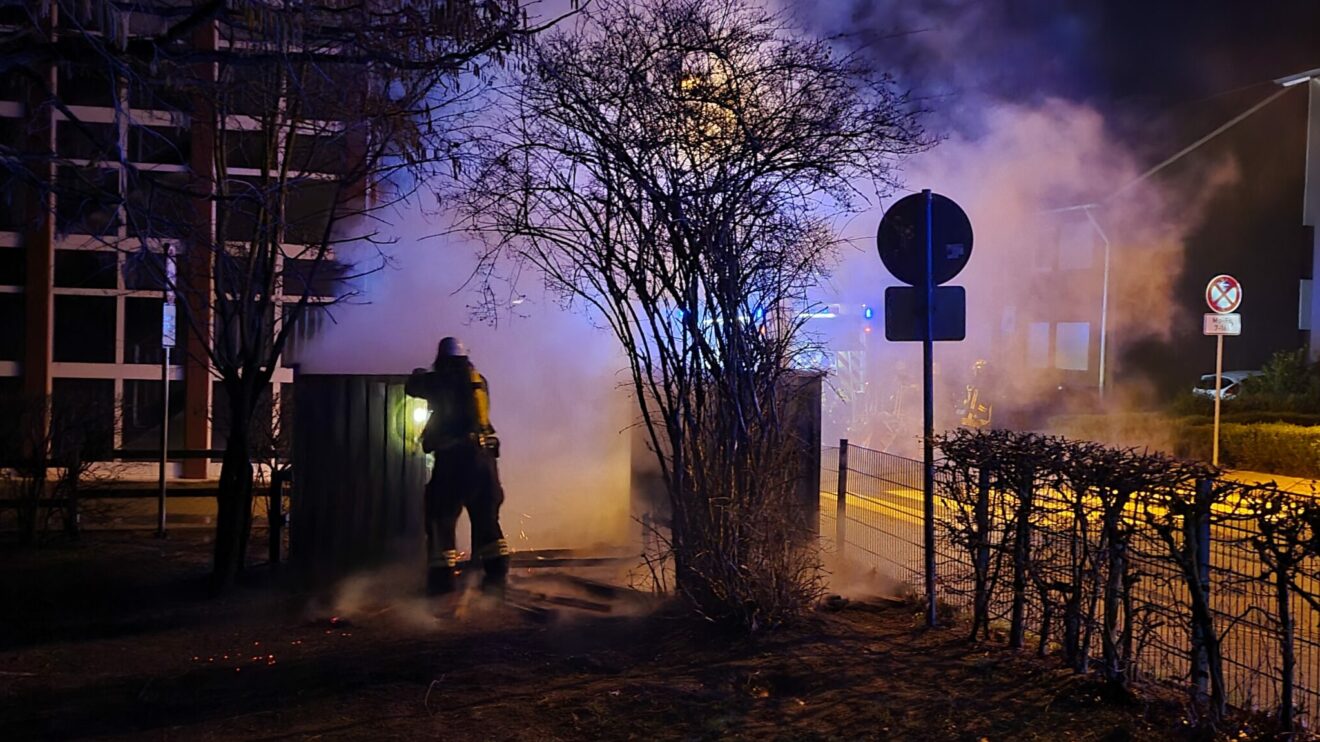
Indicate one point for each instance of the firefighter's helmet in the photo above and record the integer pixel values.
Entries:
(450, 346)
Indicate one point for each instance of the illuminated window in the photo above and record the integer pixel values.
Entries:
(1072, 346)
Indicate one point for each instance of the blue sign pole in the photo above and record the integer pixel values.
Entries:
(928, 431)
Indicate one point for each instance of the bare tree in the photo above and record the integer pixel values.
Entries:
(310, 124)
(673, 166)
(1287, 539)
(50, 457)
(1182, 510)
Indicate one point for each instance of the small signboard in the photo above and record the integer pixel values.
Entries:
(169, 318)
(169, 326)
(1223, 294)
(905, 320)
(1222, 324)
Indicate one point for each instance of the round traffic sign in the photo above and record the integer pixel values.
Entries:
(901, 239)
(1223, 293)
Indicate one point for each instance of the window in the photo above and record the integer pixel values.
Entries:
(311, 204)
(159, 144)
(164, 91)
(83, 417)
(307, 276)
(86, 269)
(142, 319)
(14, 86)
(84, 329)
(240, 211)
(232, 273)
(252, 87)
(307, 327)
(13, 265)
(319, 154)
(228, 340)
(1076, 245)
(87, 84)
(1072, 346)
(12, 133)
(14, 193)
(12, 312)
(159, 205)
(247, 149)
(11, 415)
(1038, 345)
(87, 200)
(220, 426)
(85, 140)
(324, 89)
(142, 415)
(144, 271)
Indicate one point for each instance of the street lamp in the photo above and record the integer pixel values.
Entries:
(1298, 78)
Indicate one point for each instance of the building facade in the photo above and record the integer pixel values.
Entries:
(82, 278)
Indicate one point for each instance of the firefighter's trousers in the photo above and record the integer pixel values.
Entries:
(465, 476)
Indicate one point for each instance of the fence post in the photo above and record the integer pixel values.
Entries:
(1026, 493)
(275, 514)
(981, 612)
(1197, 532)
(841, 504)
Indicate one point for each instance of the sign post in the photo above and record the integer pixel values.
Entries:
(168, 330)
(925, 240)
(1223, 294)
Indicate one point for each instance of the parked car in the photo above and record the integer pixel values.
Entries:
(1230, 388)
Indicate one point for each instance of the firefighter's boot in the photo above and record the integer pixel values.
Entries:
(495, 561)
(440, 574)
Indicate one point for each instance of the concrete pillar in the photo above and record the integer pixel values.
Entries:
(39, 235)
(196, 269)
(1311, 207)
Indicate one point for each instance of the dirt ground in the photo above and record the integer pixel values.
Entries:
(116, 637)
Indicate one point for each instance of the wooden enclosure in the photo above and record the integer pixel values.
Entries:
(359, 472)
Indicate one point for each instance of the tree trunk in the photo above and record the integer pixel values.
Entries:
(1112, 605)
(234, 502)
(1286, 630)
(981, 602)
(1021, 563)
(34, 491)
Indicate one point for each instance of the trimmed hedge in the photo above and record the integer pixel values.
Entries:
(1272, 448)
(1252, 441)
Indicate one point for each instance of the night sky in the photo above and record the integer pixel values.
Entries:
(1126, 57)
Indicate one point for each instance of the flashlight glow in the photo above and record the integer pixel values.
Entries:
(420, 415)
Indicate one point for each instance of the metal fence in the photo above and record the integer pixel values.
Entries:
(875, 535)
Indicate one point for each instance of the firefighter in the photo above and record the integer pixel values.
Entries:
(459, 435)
(976, 409)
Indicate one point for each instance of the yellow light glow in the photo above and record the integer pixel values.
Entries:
(420, 415)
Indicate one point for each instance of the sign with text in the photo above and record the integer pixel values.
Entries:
(169, 319)
(1222, 324)
(169, 326)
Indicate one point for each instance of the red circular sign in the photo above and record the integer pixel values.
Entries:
(1223, 294)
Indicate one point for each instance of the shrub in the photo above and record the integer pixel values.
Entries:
(1272, 442)
(1274, 448)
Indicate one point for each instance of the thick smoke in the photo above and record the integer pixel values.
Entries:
(1009, 88)
(556, 400)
